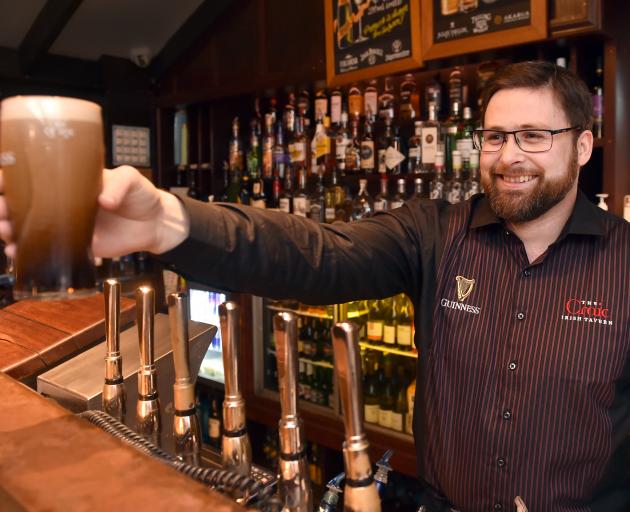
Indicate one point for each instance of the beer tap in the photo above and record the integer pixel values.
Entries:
(360, 490)
(382, 472)
(236, 451)
(114, 396)
(186, 428)
(148, 405)
(331, 496)
(295, 484)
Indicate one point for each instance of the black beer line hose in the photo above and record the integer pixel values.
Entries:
(249, 491)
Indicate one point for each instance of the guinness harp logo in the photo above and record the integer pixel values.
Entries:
(464, 287)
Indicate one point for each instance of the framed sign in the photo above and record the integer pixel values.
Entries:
(368, 38)
(453, 27)
(131, 145)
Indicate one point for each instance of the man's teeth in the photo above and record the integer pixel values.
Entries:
(518, 179)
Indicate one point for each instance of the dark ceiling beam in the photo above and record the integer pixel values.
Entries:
(47, 26)
(196, 24)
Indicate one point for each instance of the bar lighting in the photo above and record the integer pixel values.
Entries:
(148, 405)
(186, 427)
(360, 490)
(295, 484)
(114, 398)
(236, 451)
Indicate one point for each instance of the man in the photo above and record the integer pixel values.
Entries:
(522, 303)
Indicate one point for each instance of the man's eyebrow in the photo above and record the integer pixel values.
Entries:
(524, 126)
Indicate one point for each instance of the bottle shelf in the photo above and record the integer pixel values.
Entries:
(388, 350)
(314, 314)
(314, 362)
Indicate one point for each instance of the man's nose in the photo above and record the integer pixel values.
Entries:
(511, 152)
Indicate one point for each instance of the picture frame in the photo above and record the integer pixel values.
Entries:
(468, 26)
(371, 38)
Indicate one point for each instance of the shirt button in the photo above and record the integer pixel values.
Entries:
(527, 273)
(520, 316)
(498, 507)
(507, 414)
(512, 366)
(500, 462)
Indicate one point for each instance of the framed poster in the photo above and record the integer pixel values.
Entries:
(368, 38)
(453, 27)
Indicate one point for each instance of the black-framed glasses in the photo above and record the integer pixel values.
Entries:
(529, 140)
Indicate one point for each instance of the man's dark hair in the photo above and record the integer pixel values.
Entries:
(571, 92)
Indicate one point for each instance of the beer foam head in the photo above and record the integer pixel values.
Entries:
(49, 107)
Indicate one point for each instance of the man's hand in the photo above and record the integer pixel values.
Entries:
(132, 216)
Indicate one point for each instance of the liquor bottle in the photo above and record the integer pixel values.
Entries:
(409, 100)
(384, 142)
(436, 189)
(192, 182)
(362, 206)
(272, 105)
(303, 104)
(342, 139)
(598, 100)
(301, 378)
(399, 412)
(321, 100)
(420, 189)
(389, 322)
(235, 149)
(367, 148)
(401, 194)
(386, 100)
(214, 424)
(279, 155)
(370, 390)
(300, 200)
(449, 144)
(472, 185)
(411, 396)
(387, 397)
(404, 322)
(375, 322)
(288, 116)
(234, 187)
(335, 197)
(268, 144)
(370, 99)
(455, 90)
(317, 200)
(244, 194)
(381, 201)
(355, 101)
(320, 147)
(285, 203)
(353, 149)
(395, 154)
(464, 141)
(276, 191)
(308, 384)
(414, 154)
(297, 146)
(454, 189)
(336, 101)
(430, 134)
(433, 94)
(258, 198)
(254, 152)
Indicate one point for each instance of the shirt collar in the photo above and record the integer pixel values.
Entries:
(585, 219)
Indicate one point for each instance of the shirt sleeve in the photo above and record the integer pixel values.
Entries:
(273, 254)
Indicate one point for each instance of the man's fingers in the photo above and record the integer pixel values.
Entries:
(6, 231)
(116, 183)
(9, 250)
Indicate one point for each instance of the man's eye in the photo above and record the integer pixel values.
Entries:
(533, 136)
(493, 137)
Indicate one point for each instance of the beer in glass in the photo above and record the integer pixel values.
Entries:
(52, 157)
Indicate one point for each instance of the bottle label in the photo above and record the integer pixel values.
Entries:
(370, 101)
(464, 146)
(382, 168)
(371, 413)
(385, 418)
(455, 194)
(429, 144)
(297, 152)
(340, 148)
(414, 153)
(300, 206)
(437, 190)
(393, 157)
(403, 335)
(315, 212)
(214, 428)
(396, 204)
(322, 146)
(285, 205)
(267, 160)
(330, 214)
(321, 108)
(379, 206)
(397, 421)
(375, 331)
(389, 334)
(367, 154)
(355, 104)
(258, 203)
(335, 109)
(473, 188)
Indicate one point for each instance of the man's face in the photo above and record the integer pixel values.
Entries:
(522, 186)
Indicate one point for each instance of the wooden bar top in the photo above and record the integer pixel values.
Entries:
(37, 335)
(51, 460)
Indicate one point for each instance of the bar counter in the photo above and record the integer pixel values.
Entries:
(51, 460)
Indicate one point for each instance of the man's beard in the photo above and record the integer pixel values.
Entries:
(517, 206)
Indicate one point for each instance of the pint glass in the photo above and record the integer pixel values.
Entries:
(52, 157)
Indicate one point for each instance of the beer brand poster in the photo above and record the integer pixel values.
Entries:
(458, 19)
(368, 33)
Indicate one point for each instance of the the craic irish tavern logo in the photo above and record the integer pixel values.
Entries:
(464, 287)
(586, 311)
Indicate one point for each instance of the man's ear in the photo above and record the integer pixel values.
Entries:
(584, 147)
